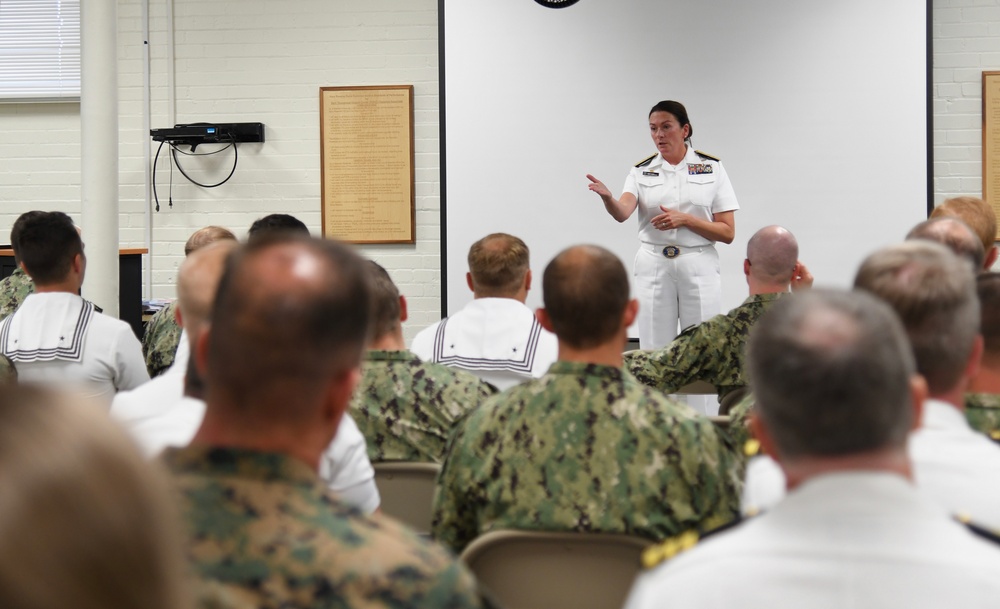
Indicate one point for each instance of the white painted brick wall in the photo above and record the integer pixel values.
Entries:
(966, 42)
(260, 60)
(243, 60)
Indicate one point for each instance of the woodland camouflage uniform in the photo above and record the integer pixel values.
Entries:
(13, 290)
(711, 351)
(160, 340)
(983, 413)
(406, 408)
(584, 448)
(264, 529)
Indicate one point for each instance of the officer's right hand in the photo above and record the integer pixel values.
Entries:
(598, 187)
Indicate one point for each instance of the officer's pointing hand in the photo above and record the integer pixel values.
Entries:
(598, 187)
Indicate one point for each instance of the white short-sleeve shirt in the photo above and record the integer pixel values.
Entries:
(698, 185)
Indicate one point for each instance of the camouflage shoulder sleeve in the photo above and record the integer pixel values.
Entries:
(679, 363)
(13, 290)
(159, 342)
(454, 523)
(982, 410)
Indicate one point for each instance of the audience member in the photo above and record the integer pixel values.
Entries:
(280, 360)
(168, 410)
(56, 336)
(933, 293)
(15, 287)
(712, 351)
(407, 408)
(953, 233)
(981, 219)
(585, 447)
(836, 395)
(982, 401)
(84, 522)
(496, 337)
(276, 224)
(162, 337)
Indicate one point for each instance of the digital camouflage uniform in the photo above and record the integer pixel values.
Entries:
(584, 448)
(739, 428)
(983, 412)
(160, 340)
(13, 290)
(264, 527)
(711, 351)
(406, 408)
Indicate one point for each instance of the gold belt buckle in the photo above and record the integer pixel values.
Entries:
(671, 251)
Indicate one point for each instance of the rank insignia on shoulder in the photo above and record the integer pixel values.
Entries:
(665, 550)
(707, 156)
(650, 173)
(698, 168)
(645, 161)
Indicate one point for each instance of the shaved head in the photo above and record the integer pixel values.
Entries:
(773, 253)
(197, 281)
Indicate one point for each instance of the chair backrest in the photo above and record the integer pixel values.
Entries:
(407, 491)
(542, 570)
(698, 388)
(722, 422)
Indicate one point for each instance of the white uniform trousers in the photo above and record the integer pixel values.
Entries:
(687, 288)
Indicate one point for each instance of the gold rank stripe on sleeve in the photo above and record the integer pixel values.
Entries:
(705, 155)
(646, 161)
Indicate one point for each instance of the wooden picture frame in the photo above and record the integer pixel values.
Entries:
(991, 140)
(366, 140)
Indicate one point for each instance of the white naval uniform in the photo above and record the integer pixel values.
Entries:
(853, 539)
(59, 339)
(158, 415)
(686, 288)
(497, 339)
(953, 465)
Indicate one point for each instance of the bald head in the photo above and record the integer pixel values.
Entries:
(291, 316)
(206, 236)
(197, 281)
(953, 233)
(585, 291)
(773, 253)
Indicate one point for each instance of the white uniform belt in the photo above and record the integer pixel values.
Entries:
(673, 251)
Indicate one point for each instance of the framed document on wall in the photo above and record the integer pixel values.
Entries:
(366, 139)
(991, 139)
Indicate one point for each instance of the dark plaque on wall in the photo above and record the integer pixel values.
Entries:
(557, 3)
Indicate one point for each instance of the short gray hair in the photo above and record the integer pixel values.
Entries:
(933, 292)
(831, 373)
